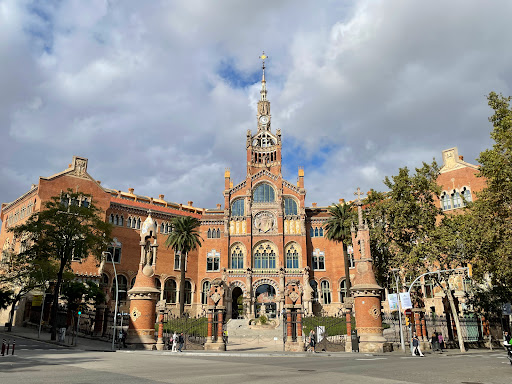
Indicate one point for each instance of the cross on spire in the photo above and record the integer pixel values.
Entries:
(358, 194)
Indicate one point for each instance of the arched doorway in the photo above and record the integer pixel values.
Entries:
(264, 303)
(237, 304)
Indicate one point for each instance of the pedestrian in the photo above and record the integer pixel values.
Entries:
(507, 339)
(226, 336)
(435, 342)
(312, 341)
(441, 341)
(123, 340)
(181, 341)
(416, 351)
(174, 342)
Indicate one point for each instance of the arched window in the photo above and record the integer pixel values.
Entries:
(111, 218)
(446, 202)
(162, 228)
(129, 222)
(170, 291)
(316, 232)
(457, 201)
(121, 220)
(429, 288)
(218, 233)
(238, 207)
(204, 292)
(264, 257)
(237, 258)
(466, 193)
(188, 292)
(318, 260)
(114, 251)
(85, 202)
(343, 290)
(314, 286)
(292, 257)
(209, 235)
(326, 292)
(104, 279)
(132, 283)
(116, 220)
(321, 232)
(122, 283)
(263, 193)
(290, 207)
(312, 232)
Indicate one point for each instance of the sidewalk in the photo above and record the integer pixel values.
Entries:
(82, 343)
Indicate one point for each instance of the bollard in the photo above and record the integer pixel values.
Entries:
(3, 347)
(13, 345)
(8, 346)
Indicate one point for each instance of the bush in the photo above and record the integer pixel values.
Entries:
(263, 320)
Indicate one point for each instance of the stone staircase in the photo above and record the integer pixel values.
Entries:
(242, 337)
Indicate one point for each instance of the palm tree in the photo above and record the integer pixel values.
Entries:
(183, 238)
(338, 229)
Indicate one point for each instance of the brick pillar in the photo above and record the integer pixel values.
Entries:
(219, 328)
(348, 320)
(160, 340)
(417, 323)
(289, 324)
(210, 326)
(299, 325)
(424, 328)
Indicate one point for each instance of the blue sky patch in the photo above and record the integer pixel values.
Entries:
(236, 78)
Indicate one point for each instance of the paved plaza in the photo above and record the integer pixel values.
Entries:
(91, 362)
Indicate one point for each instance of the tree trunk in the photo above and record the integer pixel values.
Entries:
(11, 313)
(449, 295)
(347, 270)
(55, 305)
(182, 282)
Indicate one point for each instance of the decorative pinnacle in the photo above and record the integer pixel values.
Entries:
(359, 204)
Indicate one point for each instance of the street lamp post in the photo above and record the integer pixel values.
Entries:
(117, 300)
(402, 341)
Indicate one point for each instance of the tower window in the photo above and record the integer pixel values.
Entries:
(237, 208)
(264, 193)
(290, 207)
(204, 292)
(237, 258)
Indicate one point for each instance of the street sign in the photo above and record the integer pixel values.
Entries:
(405, 300)
(393, 301)
(408, 312)
(37, 300)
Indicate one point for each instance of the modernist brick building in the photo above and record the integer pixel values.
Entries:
(261, 238)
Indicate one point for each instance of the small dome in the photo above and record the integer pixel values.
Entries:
(148, 227)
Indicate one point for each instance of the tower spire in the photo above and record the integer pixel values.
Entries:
(263, 91)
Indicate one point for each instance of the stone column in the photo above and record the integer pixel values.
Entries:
(299, 324)
(98, 320)
(417, 323)
(423, 328)
(348, 321)
(210, 326)
(160, 340)
(289, 325)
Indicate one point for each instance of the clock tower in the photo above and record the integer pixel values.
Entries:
(264, 148)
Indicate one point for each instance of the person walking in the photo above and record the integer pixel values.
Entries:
(312, 341)
(174, 342)
(416, 351)
(441, 341)
(435, 342)
(181, 341)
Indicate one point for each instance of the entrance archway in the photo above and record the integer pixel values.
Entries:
(237, 306)
(265, 301)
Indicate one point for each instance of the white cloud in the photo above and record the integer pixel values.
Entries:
(137, 89)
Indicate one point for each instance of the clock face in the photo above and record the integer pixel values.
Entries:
(264, 119)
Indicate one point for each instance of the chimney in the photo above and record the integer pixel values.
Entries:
(227, 179)
(461, 158)
(314, 205)
(161, 197)
(130, 190)
(300, 181)
(98, 181)
(219, 206)
(342, 201)
(190, 203)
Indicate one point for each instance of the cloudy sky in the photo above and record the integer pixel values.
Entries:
(159, 95)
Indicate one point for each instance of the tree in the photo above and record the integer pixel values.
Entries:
(491, 212)
(183, 238)
(19, 276)
(69, 227)
(338, 230)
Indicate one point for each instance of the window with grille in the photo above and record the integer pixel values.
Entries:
(264, 257)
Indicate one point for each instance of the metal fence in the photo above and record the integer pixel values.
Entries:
(195, 329)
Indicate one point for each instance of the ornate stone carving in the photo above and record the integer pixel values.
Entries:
(374, 312)
(135, 314)
(265, 222)
(366, 330)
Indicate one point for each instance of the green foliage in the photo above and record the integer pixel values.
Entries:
(187, 325)
(64, 229)
(333, 325)
(73, 292)
(263, 319)
(402, 220)
(6, 298)
(338, 230)
(491, 223)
